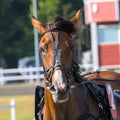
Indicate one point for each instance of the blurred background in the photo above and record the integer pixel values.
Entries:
(97, 47)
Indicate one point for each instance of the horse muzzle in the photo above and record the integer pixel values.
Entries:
(61, 94)
(59, 89)
(60, 98)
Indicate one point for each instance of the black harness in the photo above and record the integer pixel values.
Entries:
(100, 96)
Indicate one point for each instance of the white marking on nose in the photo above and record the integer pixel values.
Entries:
(58, 78)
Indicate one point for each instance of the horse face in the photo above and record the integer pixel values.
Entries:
(62, 60)
(55, 47)
(55, 61)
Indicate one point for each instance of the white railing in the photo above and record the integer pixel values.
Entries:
(18, 74)
(11, 107)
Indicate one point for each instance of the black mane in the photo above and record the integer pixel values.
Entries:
(61, 23)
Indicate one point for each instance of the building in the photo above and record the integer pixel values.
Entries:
(104, 19)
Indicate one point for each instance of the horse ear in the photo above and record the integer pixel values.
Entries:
(76, 20)
(38, 25)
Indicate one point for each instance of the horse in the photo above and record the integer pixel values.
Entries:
(66, 94)
(103, 77)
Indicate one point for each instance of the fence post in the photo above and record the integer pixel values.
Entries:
(31, 74)
(2, 82)
(13, 114)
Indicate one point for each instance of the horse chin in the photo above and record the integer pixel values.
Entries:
(60, 98)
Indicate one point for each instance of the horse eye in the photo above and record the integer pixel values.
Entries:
(43, 49)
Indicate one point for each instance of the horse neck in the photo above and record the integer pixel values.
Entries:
(69, 110)
(59, 111)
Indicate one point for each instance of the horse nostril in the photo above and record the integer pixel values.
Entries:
(67, 88)
(52, 89)
(61, 86)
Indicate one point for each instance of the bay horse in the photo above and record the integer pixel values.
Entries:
(65, 97)
(103, 77)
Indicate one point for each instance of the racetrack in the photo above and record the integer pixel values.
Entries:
(17, 89)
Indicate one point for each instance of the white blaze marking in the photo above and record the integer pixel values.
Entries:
(58, 77)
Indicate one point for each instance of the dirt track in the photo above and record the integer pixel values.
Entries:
(17, 89)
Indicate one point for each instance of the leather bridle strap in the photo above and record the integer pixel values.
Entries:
(55, 30)
(55, 43)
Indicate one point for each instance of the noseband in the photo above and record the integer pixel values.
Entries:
(57, 63)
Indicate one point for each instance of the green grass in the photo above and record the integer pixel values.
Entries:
(24, 107)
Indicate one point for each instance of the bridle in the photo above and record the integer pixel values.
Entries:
(57, 63)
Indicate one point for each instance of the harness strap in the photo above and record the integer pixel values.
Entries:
(96, 95)
(102, 101)
(117, 95)
(39, 102)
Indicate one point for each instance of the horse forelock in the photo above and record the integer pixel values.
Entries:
(60, 22)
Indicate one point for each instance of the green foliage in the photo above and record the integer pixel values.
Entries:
(47, 9)
(15, 28)
(16, 31)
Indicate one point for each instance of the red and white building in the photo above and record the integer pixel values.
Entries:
(104, 19)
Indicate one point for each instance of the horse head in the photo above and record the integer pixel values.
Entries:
(56, 53)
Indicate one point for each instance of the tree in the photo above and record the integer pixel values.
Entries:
(15, 31)
(47, 9)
